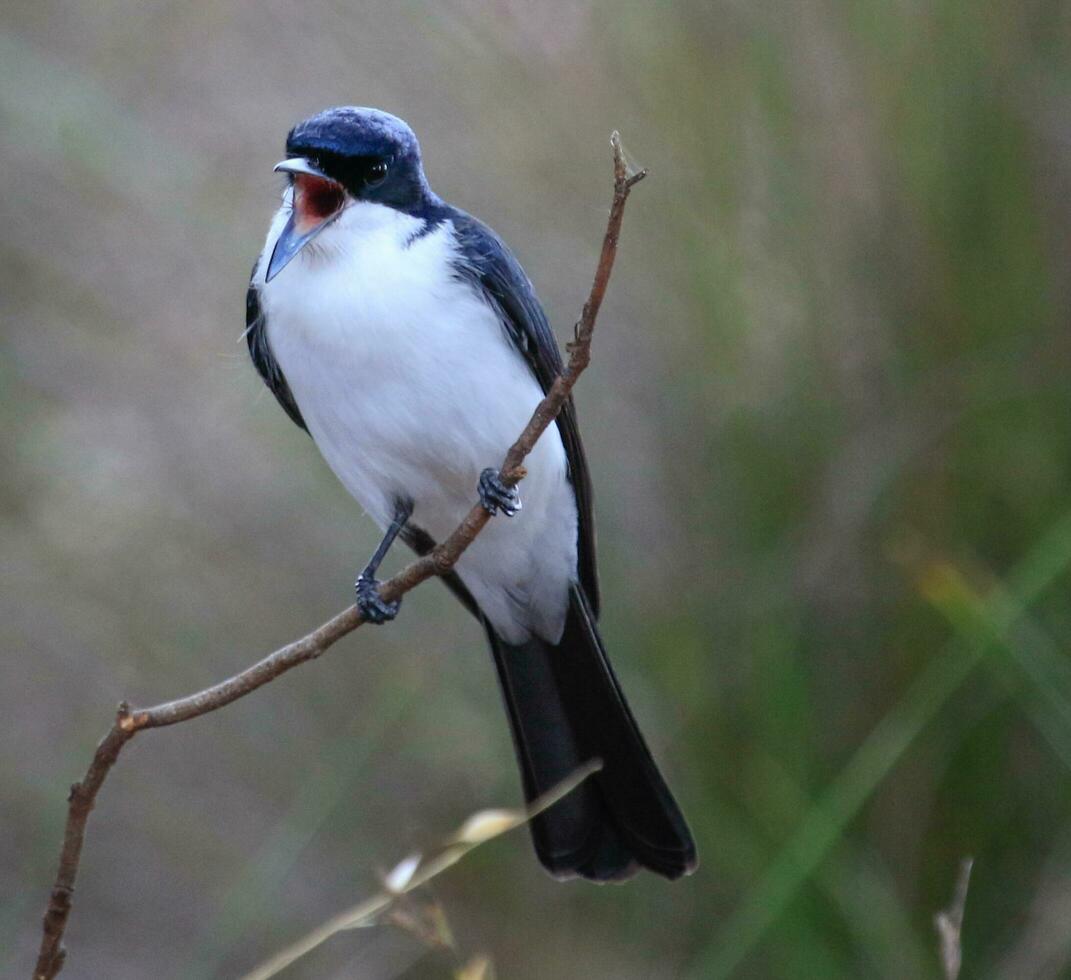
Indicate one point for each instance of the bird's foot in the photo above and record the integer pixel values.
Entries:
(372, 607)
(496, 496)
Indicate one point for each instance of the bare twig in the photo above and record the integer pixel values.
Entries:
(129, 721)
(949, 923)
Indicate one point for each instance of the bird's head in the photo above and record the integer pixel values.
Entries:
(344, 155)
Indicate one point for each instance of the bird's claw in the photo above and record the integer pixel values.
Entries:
(496, 496)
(372, 607)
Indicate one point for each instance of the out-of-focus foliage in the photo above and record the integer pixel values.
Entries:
(829, 419)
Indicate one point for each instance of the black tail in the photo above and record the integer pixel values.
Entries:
(566, 707)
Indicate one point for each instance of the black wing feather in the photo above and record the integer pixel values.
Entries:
(256, 336)
(489, 265)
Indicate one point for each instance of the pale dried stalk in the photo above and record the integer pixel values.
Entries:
(949, 923)
(417, 870)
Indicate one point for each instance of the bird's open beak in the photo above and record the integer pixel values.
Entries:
(317, 201)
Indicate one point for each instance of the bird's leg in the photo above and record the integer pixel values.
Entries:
(496, 496)
(369, 604)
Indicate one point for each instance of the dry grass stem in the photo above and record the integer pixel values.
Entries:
(949, 923)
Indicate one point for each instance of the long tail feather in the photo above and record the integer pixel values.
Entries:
(566, 706)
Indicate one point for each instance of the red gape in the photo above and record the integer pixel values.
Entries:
(316, 199)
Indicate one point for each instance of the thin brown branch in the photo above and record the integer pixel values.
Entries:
(949, 923)
(130, 721)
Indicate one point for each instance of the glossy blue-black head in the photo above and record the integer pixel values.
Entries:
(375, 156)
(349, 153)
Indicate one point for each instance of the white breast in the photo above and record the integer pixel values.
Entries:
(410, 388)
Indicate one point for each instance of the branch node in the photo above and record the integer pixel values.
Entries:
(122, 716)
(132, 721)
(626, 171)
(441, 561)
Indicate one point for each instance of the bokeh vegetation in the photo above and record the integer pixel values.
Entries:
(828, 417)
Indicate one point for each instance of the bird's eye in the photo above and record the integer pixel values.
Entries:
(376, 174)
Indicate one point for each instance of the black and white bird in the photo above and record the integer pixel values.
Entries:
(403, 335)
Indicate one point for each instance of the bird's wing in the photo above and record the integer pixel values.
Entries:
(486, 262)
(256, 336)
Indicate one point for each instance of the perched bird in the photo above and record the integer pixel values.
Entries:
(403, 335)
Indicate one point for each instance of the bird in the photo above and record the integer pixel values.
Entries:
(404, 336)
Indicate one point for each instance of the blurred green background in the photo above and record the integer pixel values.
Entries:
(829, 421)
